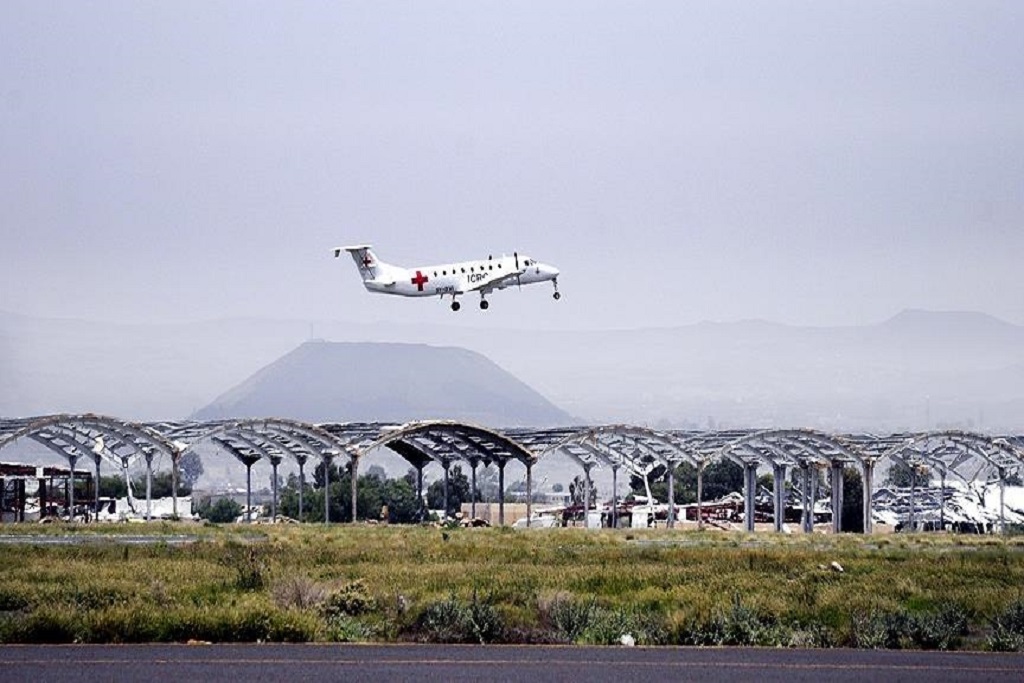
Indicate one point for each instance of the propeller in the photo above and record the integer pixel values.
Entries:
(519, 279)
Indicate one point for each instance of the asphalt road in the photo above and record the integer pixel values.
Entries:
(422, 663)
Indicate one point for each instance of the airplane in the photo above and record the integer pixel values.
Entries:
(453, 279)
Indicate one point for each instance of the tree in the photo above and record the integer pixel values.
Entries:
(904, 475)
(577, 488)
(853, 501)
(190, 468)
(373, 493)
(458, 491)
(223, 511)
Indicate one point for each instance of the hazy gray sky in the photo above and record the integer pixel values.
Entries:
(805, 162)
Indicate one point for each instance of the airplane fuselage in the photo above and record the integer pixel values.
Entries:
(451, 279)
(456, 278)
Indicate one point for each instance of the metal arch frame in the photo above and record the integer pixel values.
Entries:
(446, 441)
(78, 429)
(957, 442)
(781, 448)
(459, 430)
(605, 443)
(298, 439)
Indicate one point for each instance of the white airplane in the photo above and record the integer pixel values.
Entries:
(454, 279)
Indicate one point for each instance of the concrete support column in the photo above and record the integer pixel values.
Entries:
(942, 501)
(671, 497)
(700, 497)
(302, 486)
(96, 488)
(807, 518)
(248, 492)
(44, 501)
(149, 486)
(1002, 501)
(529, 494)
(501, 493)
(814, 496)
(445, 466)
(586, 496)
(326, 460)
(472, 488)
(72, 460)
(174, 483)
(913, 492)
(419, 492)
(749, 491)
(615, 496)
(868, 473)
(354, 461)
(275, 460)
(779, 497)
(837, 496)
(19, 493)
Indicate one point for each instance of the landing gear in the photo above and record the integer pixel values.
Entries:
(456, 305)
(557, 295)
(484, 304)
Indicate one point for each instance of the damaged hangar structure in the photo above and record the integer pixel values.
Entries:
(932, 464)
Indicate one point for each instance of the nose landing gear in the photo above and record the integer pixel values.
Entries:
(557, 295)
(456, 305)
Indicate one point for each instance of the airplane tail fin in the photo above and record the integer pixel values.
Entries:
(366, 260)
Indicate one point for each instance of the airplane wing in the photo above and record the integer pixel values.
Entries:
(493, 281)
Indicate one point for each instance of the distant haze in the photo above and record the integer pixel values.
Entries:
(915, 371)
(809, 163)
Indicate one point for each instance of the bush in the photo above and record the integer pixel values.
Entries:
(880, 630)
(1008, 629)
(741, 625)
(940, 630)
(452, 621)
(298, 592)
(250, 567)
(224, 511)
(568, 616)
(351, 600)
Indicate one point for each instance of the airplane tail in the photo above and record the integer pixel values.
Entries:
(366, 261)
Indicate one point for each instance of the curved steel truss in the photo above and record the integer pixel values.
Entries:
(961, 456)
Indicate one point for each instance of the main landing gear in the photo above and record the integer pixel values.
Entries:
(483, 304)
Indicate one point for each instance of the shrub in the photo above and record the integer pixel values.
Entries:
(298, 592)
(568, 616)
(452, 621)
(250, 567)
(1008, 629)
(879, 630)
(352, 599)
(940, 630)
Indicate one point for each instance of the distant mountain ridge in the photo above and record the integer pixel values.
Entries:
(915, 370)
(354, 382)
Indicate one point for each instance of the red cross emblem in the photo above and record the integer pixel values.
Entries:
(419, 280)
(367, 261)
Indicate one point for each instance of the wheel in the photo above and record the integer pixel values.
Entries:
(557, 296)
(484, 304)
(456, 305)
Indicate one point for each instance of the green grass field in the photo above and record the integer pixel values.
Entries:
(343, 583)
